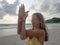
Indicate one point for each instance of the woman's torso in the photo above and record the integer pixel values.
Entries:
(34, 40)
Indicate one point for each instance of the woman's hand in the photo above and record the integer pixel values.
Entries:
(21, 11)
(22, 14)
(25, 16)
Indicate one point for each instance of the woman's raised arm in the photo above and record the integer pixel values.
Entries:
(21, 22)
(20, 19)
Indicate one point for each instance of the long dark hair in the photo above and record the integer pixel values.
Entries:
(42, 25)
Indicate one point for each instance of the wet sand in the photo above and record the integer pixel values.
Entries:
(12, 40)
(54, 39)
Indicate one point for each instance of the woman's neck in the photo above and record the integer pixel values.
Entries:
(34, 28)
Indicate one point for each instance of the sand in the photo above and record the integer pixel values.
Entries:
(54, 39)
(12, 40)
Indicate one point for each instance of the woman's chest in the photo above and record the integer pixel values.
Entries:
(34, 41)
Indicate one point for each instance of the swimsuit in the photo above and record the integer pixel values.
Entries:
(33, 41)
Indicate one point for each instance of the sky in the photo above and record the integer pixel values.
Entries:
(9, 9)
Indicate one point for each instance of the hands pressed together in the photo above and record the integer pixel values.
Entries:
(23, 15)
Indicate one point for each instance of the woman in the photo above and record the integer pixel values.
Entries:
(38, 34)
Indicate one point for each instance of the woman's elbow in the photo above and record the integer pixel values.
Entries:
(22, 38)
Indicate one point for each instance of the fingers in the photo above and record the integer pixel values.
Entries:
(22, 5)
(19, 9)
(22, 8)
(27, 12)
(22, 12)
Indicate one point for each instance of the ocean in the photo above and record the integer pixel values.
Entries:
(14, 26)
(11, 29)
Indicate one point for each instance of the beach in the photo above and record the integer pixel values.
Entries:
(12, 40)
(10, 36)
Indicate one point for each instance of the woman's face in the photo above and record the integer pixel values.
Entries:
(35, 20)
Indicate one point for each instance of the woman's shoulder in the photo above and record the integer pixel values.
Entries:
(42, 30)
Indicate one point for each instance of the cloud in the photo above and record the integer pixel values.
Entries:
(55, 9)
(44, 6)
(8, 8)
(36, 5)
(7, 19)
(51, 6)
(11, 8)
(47, 6)
(2, 13)
(3, 2)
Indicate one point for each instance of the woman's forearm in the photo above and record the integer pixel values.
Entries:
(19, 24)
(36, 33)
(23, 31)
